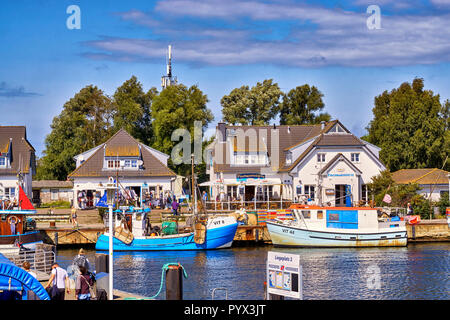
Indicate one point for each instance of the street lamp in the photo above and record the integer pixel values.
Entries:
(110, 197)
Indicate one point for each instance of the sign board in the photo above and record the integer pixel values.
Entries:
(245, 176)
(284, 275)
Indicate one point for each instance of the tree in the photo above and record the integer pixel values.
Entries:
(401, 194)
(252, 106)
(85, 122)
(300, 105)
(178, 107)
(132, 110)
(411, 127)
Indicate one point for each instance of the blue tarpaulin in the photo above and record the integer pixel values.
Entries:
(13, 278)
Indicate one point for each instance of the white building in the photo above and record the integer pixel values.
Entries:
(17, 162)
(325, 163)
(138, 167)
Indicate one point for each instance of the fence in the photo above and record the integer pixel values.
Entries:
(248, 205)
(40, 259)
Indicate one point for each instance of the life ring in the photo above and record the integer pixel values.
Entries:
(10, 218)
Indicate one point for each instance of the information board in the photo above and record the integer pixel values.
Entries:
(284, 275)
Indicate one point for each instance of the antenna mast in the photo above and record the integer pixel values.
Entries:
(168, 80)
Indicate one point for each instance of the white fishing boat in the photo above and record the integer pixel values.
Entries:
(315, 226)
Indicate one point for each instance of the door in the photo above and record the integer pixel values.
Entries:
(339, 191)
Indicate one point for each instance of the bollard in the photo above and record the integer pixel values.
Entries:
(174, 283)
(101, 262)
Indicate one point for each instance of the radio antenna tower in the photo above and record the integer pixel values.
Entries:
(168, 80)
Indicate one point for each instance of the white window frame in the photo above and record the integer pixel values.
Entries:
(310, 190)
(354, 156)
(321, 157)
(53, 193)
(4, 161)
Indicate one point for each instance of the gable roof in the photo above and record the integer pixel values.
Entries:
(421, 176)
(339, 157)
(52, 184)
(13, 141)
(290, 136)
(122, 144)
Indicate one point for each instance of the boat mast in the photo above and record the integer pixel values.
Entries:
(194, 190)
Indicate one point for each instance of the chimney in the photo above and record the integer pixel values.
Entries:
(322, 125)
(221, 127)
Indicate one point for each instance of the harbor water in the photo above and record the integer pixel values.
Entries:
(419, 271)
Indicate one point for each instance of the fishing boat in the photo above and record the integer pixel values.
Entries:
(315, 226)
(14, 227)
(205, 232)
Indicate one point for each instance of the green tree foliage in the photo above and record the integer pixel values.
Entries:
(411, 127)
(85, 121)
(300, 106)
(132, 110)
(178, 107)
(252, 106)
(400, 194)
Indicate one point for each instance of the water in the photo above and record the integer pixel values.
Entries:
(419, 271)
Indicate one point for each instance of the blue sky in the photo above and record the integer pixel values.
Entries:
(218, 45)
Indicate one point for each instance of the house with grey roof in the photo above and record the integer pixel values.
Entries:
(17, 162)
(138, 168)
(324, 163)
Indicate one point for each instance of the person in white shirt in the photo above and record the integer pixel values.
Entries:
(59, 278)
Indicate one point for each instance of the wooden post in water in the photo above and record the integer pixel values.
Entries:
(174, 283)
(101, 262)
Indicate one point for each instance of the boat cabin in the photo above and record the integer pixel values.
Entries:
(316, 217)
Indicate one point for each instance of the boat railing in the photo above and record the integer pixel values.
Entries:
(40, 259)
(230, 205)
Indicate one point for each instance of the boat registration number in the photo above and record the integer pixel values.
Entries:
(288, 231)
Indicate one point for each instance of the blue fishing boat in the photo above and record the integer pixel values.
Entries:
(215, 233)
(133, 231)
(316, 226)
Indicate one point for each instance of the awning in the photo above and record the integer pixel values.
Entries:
(13, 278)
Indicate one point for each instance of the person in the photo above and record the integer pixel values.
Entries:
(30, 294)
(205, 196)
(81, 260)
(409, 209)
(83, 283)
(175, 206)
(59, 278)
(13, 221)
(27, 267)
(74, 217)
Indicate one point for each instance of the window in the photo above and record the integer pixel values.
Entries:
(319, 214)
(133, 163)
(127, 163)
(10, 192)
(113, 164)
(2, 161)
(309, 191)
(253, 159)
(306, 214)
(54, 194)
(321, 157)
(288, 158)
(355, 157)
(337, 129)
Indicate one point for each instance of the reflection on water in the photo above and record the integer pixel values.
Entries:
(415, 272)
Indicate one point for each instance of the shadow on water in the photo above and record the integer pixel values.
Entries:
(419, 271)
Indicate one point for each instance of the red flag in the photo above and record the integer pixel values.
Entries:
(24, 202)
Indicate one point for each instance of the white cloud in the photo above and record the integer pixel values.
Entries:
(331, 36)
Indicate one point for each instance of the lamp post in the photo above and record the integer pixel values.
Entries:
(110, 195)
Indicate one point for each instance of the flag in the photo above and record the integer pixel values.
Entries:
(387, 198)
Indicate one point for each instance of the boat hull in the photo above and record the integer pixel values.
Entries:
(216, 238)
(294, 236)
(28, 239)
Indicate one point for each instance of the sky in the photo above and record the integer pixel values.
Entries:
(344, 48)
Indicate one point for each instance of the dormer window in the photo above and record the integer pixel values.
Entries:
(2, 162)
(113, 164)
